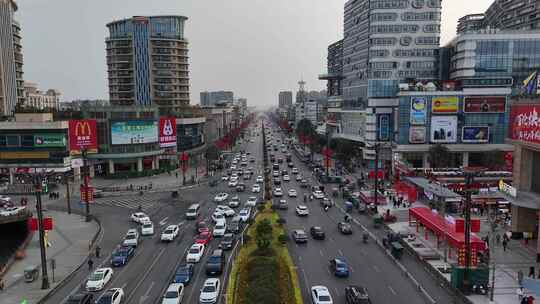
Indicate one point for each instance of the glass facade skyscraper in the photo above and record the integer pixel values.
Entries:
(147, 60)
(11, 59)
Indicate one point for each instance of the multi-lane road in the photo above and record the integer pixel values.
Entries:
(147, 275)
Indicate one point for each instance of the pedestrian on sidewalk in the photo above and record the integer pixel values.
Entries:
(505, 243)
(530, 300)
(176, 173)
(498, 239)
(98, 251)
(519, 293)
(520, 277)
(531, 272)
(90, 264)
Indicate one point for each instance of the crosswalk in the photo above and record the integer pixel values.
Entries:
(146, 202)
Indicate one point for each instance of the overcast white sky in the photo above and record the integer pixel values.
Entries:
(253, 47)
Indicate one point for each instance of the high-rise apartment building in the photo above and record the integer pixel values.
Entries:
(285, 99)
(212, 98)
(11, 59)
(334, 76)
(147, 60)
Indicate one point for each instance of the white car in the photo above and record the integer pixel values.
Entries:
(131, 238)
(321, 295)
(225, 178)
(294, 170)
(220, 228)
(233, 183)
(169, 234)
(259, 179)
(286, 178)
(299, 178)
(292, 193)
(140, 217)
(256, 188)
(217, 216)
(195, 253)
(174, 294)
(278, 192)
(8, 211)
(251, 202)
(302, 210)
(112, 296)
(318, 194)
(225, 210)
(98, 279)
(244, 214)
(209, 291)
(147, 228)
(221, 197)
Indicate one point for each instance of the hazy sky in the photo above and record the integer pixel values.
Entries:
(253, 47)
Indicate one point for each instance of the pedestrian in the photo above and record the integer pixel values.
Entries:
(498, 239)
(531, 272)
(90, 264)
(520, 277)
(505, 243)
(530, 300)
(519, 293)
(1, 284)
(176, 173)
(98, 251)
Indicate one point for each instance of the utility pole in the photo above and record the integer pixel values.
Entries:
(376, 194)
(44, 276)
(68, 195)
(86, 186)
(469, 180)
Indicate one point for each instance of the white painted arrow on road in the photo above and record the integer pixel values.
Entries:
(146, 295)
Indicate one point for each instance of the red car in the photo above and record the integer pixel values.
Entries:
(203, 238)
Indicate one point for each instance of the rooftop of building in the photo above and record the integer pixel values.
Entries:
(494, 33)
(147, 17)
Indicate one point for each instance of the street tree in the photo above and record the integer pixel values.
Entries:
(263, 233)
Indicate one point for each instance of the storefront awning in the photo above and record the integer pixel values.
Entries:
(426, 185)
(524, 199)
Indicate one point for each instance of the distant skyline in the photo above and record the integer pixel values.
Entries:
(255, 48)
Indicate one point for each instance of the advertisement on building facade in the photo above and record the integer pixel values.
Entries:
(134, 132)
(525, 123)
(82, 135)
(444, 129)
(167, 132)
(475, 134)
(24, 155)
(384, 127)
(445, 104)
(417, 135)
(484, 104)
(49, 140)
(418, 110)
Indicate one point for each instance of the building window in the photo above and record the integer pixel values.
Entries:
(432, 28)
(427, 40)
(389, 4)
(27, 140)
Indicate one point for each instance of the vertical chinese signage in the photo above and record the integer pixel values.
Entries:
(167, 132)
(384, 127)
(82, 136)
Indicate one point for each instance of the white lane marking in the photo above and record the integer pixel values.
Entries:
(320, 251)
(163, 221)
(337, 291)
(340, 252)
(145, 296)
(392, 290)
(145, 274)
(376, 268)
(305, 277)
(331, 239)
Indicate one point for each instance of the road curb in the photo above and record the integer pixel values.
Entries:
(72, 273)
(156, 190)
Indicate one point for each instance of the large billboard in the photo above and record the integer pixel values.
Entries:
(418, 111)
(49, 140)
(167, 132)
(134, 132)
(484, 104)
(444, 129)
(417, 135)
(475, 134)
(82, 136)
(442, 105)
(525, 123)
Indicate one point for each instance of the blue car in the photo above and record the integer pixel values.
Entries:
(339, 267)
(183, 274)
(121, 255)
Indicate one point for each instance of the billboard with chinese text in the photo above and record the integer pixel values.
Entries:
(525, 123)
(167, 132)
(446, 104)
(82, 136)
(484, 104)
(134, 132)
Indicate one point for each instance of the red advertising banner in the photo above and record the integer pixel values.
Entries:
(48, 223)
(525, 123)
(167, 132)
(82, 135)
(484, 104)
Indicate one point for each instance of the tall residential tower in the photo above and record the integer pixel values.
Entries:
(147, 62)
(11, 59)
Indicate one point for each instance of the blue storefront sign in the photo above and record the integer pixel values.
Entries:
(418, 110)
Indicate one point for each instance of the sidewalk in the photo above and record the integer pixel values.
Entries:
(69, 242)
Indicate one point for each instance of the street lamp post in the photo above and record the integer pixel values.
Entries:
(86, 185)
(376, 194)
(38, 188)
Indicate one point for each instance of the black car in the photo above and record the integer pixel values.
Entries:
(227, 241)
(81, 298)
(277, 181)
(344, 228)
(241, 188)
(215, 263)
(284, 172)
(356, 295)
(317, 233)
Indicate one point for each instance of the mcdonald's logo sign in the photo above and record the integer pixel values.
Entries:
(82, 136)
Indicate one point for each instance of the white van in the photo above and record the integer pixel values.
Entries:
(193, 211)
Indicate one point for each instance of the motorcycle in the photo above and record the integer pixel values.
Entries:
(365, 238)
